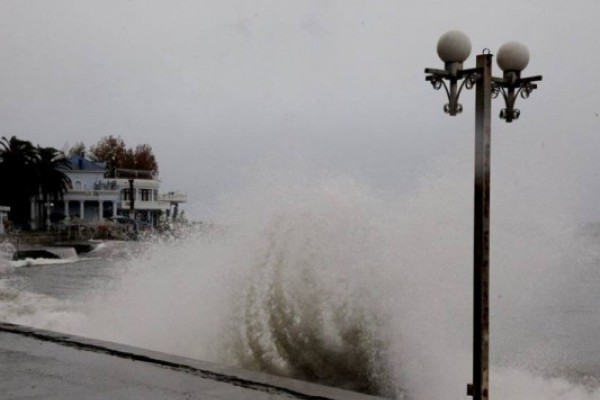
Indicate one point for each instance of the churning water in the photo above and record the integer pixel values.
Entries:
(322, 278)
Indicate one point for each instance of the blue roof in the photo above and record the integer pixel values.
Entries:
(79, 163)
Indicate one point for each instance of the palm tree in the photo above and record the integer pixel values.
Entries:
(17, 174)
(52, 181)
(28, 172)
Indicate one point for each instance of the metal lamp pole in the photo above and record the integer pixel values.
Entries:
(454, 48)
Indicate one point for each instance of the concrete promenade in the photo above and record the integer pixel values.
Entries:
(40, 364)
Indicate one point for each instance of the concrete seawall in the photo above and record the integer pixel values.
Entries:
(41, 364)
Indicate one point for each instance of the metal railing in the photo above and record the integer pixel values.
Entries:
(173, 196)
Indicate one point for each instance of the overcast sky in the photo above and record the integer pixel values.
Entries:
(219, 86)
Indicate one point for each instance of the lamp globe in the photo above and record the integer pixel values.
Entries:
(513, 56)
(454, 46)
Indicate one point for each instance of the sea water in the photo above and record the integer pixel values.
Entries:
(326, 279)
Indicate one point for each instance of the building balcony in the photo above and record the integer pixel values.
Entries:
(137, 183)
(173, 197)
(143, 205)
(90, 194)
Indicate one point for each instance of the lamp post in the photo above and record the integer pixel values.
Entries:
(49, 206)
(454, 48)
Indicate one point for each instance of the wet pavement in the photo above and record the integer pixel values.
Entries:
(39, 364)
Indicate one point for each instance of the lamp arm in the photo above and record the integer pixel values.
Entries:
(469, 82)
(511, 90)
(437, 83)
(438, 78)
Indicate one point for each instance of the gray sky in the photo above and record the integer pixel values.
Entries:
(219, 86)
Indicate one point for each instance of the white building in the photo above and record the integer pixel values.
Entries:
(93, 198)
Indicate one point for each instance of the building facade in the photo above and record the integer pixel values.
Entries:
(93, 198)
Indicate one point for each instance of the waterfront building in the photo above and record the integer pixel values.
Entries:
(92, 197)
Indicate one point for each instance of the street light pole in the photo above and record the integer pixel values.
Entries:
(454, 48)
(481, 218)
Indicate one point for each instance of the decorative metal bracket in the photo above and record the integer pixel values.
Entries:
(453, 74)
(512, 86)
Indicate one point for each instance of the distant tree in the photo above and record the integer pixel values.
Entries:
(144, 159)
(78, 149)
(128, 160)
(50, 166)
(112, 151)
(28, 172)
(17, 174)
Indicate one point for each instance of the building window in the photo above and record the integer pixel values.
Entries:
(145, 193)
(126, 194)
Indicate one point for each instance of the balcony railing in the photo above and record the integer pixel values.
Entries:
(144, 205)
(91, 193)
(175, 197)
(138, 183)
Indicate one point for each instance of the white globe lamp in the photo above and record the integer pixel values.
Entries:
(454, 47)
(513, 57)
